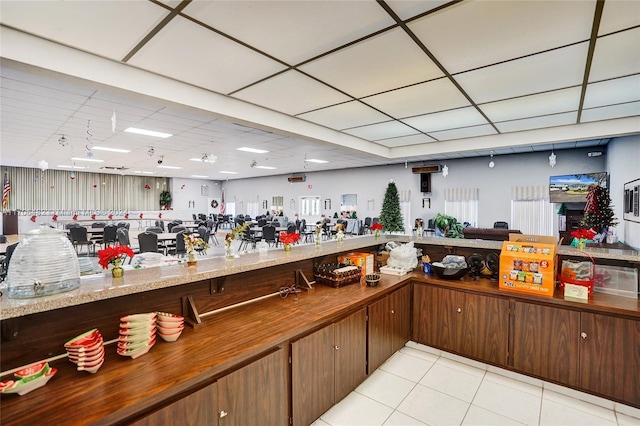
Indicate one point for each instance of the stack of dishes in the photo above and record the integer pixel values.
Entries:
(86, 350)
(137, 334)
(86, 266)
(169, 326)
(28, 379)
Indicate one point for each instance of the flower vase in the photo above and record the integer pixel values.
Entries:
(582, 244)
(117, 271)
(228, 251)
(287, 247)
(318, 239)
(192, 260)
(340, 236)
(419, 232)
(377, 234)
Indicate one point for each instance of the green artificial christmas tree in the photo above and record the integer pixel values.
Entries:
(598, 214)
(390, 216)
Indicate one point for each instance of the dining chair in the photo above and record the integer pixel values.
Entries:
(366, 225)
(154, 229)
(269, 235)
(79, 238)
(148, 242)
(109, 237)
(180, 248)
(214, 230)
(160, 224)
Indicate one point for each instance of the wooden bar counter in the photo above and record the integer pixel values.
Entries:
(240, 322)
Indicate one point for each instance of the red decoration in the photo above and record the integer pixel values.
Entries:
(126, 216)
(182, 186)
(93, 216)
(75, 217)
(110, 216)
(111, 254)
(54, 217)
(33, 218)
(289, 238)
(159, 215)
(146, 186)
(140, 215)
(376, 227)
(586, 234)
(95, 186)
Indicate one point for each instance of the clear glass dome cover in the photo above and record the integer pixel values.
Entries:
(44, 263)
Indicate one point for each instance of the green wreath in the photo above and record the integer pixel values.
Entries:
(165, 198)
(214, 203)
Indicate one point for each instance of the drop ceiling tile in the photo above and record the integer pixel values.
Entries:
(282, 93)
(406, 9)
(537, 122)
(360, 70)
(466, 132)
(478, 33)
(180, 49)
(614, 111)
(618, 15)
(346, 115)
(462, 117)
(613, 91)
(552, 70)
(293, 31)
(107, 28)
(374, 132)
(432, 96)
(406, 141)
(616, 55)
(534, 105)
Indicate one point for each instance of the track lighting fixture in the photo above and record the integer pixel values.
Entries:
(63, 141)
(151, 151)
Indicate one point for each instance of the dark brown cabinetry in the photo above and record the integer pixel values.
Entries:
(610, 356)
(546, 342)
(389, 326)
(254, 394)
(326, 365)
(470, 324)
(572, 219)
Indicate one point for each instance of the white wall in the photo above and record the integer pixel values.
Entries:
(187, 198)
(370, 183)
(623, 162)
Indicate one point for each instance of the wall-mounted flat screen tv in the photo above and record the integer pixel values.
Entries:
(574, 188)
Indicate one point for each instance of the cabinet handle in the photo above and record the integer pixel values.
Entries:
(393, 311)
(459, 310)
(223, 414)
(583, 335)
(336, 347)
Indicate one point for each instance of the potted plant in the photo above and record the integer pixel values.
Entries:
(448, 226)
(165, 200)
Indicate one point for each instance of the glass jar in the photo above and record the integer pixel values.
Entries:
(44, 263)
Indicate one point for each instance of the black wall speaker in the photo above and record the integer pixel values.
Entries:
(425, 182)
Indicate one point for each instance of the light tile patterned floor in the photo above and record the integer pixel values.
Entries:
(420, 386)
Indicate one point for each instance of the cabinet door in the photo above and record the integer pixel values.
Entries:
(350, 345)
(546, 342)
(400, 304)
(610, 356)
(379, 331)
(197, 409)
(312, 376)
(255, 394)
(434, 316)
(483, 327)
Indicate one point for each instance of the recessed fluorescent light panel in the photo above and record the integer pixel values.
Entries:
(144, 172)
(147, 132)
(91, 160)
(199, 176)
(266, 167)
(169, 167)
(315, 160)
(253, 150)
(228, 173)
(106, 148)
(64, 166)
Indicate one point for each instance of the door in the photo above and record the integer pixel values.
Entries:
(434, 320)
(255, 394)
(196, 409)
(546, 343)
(350, 344)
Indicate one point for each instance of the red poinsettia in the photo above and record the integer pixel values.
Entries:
(376, 227)
(113, 255)
(583, 234)
(289, 238)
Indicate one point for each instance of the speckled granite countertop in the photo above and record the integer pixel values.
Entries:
(103, 286)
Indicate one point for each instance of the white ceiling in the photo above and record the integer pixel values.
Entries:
(355, 83)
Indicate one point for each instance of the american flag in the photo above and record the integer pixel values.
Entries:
(6, 189)
(223, 208)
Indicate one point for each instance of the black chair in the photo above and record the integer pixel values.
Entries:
(78, 235)
(110, 235)
(148, 242)
(366, 226)
(155, 229)
(262, 222)
(126, 225)
(178, 228)
(180, 248)
(248, 237)
(269, 235)
(160, 224)
(214, 229)
(304, 232)
(501, 225)
(7, 259)
(204, 234)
